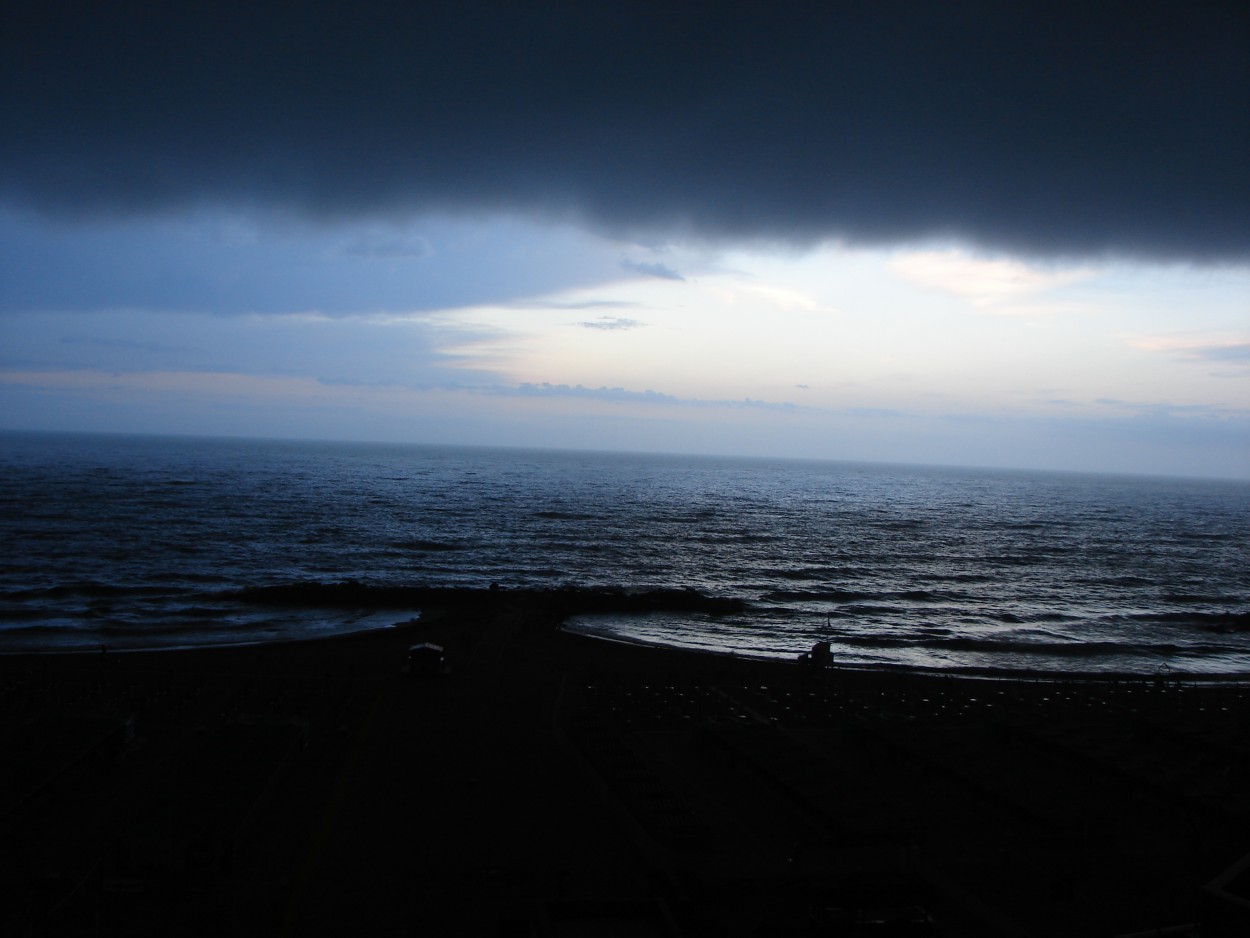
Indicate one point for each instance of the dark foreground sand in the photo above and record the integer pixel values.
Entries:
(559, 785)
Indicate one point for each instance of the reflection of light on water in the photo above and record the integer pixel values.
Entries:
(1034, 651)
(296, 628)
(248, 629)
(896, 567)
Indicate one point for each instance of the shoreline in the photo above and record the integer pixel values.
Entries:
(1161, 675)
(311, 610)
(556, 781)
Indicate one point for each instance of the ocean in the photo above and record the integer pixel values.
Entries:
(144, 542)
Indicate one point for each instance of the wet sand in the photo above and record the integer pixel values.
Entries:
(555, 784)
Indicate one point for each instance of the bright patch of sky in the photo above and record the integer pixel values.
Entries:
(513, 332)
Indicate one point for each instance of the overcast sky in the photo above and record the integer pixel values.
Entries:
(987, 234)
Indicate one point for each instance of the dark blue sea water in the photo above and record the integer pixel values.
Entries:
(135, 542)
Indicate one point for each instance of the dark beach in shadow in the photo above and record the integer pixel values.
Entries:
(555, 784)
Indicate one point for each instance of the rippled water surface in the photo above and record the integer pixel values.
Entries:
(132, 541)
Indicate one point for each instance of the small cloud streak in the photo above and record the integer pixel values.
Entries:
(223, 384)
(572, 304)
(601, 393)
(651, 269)
(645, 397)
(612, 323)
(1165, 408)
(1231, 352)
(1225, 353)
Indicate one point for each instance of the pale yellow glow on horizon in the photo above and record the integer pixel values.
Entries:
(763, 340)
(842, 329)
(992, 284)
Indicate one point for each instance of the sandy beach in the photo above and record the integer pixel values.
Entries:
(555, 784)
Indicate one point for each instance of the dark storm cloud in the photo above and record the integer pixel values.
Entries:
(1055, 129)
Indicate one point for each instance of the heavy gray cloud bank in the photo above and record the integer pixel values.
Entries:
(1051, 129)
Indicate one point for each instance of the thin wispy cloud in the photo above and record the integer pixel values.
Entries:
(651, 269)
(215, 384)
(545, 389)
(612, 323)
(1200, 351)
(1239, 352)
(1229, 352)
(619, 394)
(545, 303)
(1167, 408)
